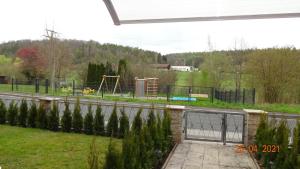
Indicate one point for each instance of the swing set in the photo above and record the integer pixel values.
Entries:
(104, 80)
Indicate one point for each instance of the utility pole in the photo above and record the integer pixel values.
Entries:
(51, 35)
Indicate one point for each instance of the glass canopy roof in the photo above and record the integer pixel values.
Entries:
(160, 11)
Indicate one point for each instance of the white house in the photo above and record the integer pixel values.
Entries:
(182, 68)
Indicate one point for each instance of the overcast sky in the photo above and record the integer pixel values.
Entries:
(90, 20)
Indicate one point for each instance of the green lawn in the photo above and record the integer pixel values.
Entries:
(26, 148)
(191, 79)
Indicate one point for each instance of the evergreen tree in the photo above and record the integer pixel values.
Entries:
(99, 122)
(167, 132)
(2, 112)
(147, 156)
(137, 122)
(159, 133)
(53, 121)
(93, 157)
(282, 139)
(12, 116)
(42, 118)
(129, 151)
(260, 135)
(77, 121)
(88, 121)
(151, 123)
(292, 161)
(124, 124)
(113, 157)
(32, 119)
(112, 125)
(66, 120)
(23, 113)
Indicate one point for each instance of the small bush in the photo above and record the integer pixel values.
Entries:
(42, 117)
(282, 139)
(12, 116)
(93, 157)
(23, 113)
(77, 122)
(99, 122)
(113, 157)
(53, 121)
(124, 124)
(112, 125)
(167, 132)
(2, 112)
(66, 120)
(88, 121)
(32, 118)
(151, 123)
(129, 151)
(137, 122)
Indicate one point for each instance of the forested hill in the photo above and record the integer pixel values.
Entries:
(85, 51)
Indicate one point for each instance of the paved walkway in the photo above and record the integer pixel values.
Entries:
(206, 155)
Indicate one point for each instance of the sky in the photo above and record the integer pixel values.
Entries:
(90, 20)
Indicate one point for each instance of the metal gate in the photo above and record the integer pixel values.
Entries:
(215, 126)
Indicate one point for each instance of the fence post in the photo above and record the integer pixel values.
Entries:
(16, 82)
(212, 93)
(253, 96)
(37, 90)
(177, 116)
(236, 95)
(73, 88)
(12, 84)
(102, 92)
(189, 93)
(168, 93)
(244, 91)
(46, 86)
(230, 92)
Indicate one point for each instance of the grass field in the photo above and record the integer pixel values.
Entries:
(26, 148)
(190, 79)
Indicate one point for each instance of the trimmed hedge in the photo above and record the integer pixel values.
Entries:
(33, 114)
(88, 121)
(2, 112)
(66, 120)
(12, 116)
(77, 121)
(113, 123)
(99, 122)
(23, 113)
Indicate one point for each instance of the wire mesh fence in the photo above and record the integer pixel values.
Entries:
(107, 89)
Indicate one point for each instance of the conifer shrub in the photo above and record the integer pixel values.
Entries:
(282, 139)
(77, 121)
(99, 122)
(130, 151)
(167, 132)
(88, 121)
(66, 120)
(53, 121)
(112, 125)
(23, 112)
(137, 122)
(42, 122)
(113, 157)
(2, 112)
(12, 116)
(32, 117)
(124, 124)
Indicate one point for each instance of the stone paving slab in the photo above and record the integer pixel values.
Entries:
(209, 155)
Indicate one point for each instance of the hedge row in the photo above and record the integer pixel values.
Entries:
(38, 117)
(145, 145)
(271, 134)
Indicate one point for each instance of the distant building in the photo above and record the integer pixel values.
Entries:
(183, 68)
(161, 66)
